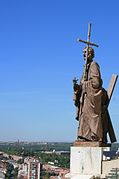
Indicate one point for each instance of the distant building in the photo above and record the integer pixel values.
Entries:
(31, 169)
(66, 153)
(34, 170)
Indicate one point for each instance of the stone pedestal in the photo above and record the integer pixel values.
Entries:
(86, 161)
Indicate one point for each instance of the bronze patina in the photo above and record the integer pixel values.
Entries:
(92, 100)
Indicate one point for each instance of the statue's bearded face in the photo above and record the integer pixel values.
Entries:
(90, 54)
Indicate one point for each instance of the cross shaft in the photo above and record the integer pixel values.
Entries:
(88, 38)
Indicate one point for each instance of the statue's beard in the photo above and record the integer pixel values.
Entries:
(89, 59)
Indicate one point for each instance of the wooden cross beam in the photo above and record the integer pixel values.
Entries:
(109, 93)
(111, 86)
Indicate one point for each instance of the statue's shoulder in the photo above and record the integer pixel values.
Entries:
(94, 64)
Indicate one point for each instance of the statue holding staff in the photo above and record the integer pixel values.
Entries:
(91, 100)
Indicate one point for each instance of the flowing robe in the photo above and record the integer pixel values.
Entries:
(90, 124)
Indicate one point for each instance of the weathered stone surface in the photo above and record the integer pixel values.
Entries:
(86, 160)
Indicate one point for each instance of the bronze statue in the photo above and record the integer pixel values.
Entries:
(88, 100)
(91, 100)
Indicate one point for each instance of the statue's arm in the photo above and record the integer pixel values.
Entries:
(77, 93)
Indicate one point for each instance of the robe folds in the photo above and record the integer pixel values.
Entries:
(90, 124)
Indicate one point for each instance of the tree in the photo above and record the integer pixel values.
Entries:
(11, 172)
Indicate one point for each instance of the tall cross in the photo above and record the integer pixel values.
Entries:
(87, 49)
(88, 38)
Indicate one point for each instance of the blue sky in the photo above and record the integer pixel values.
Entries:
(39, 57)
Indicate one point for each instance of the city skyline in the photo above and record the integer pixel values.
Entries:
(39, 57)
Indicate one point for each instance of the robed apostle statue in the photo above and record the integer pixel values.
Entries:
(91, 100)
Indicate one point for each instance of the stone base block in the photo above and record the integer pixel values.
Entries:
(86, 160)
